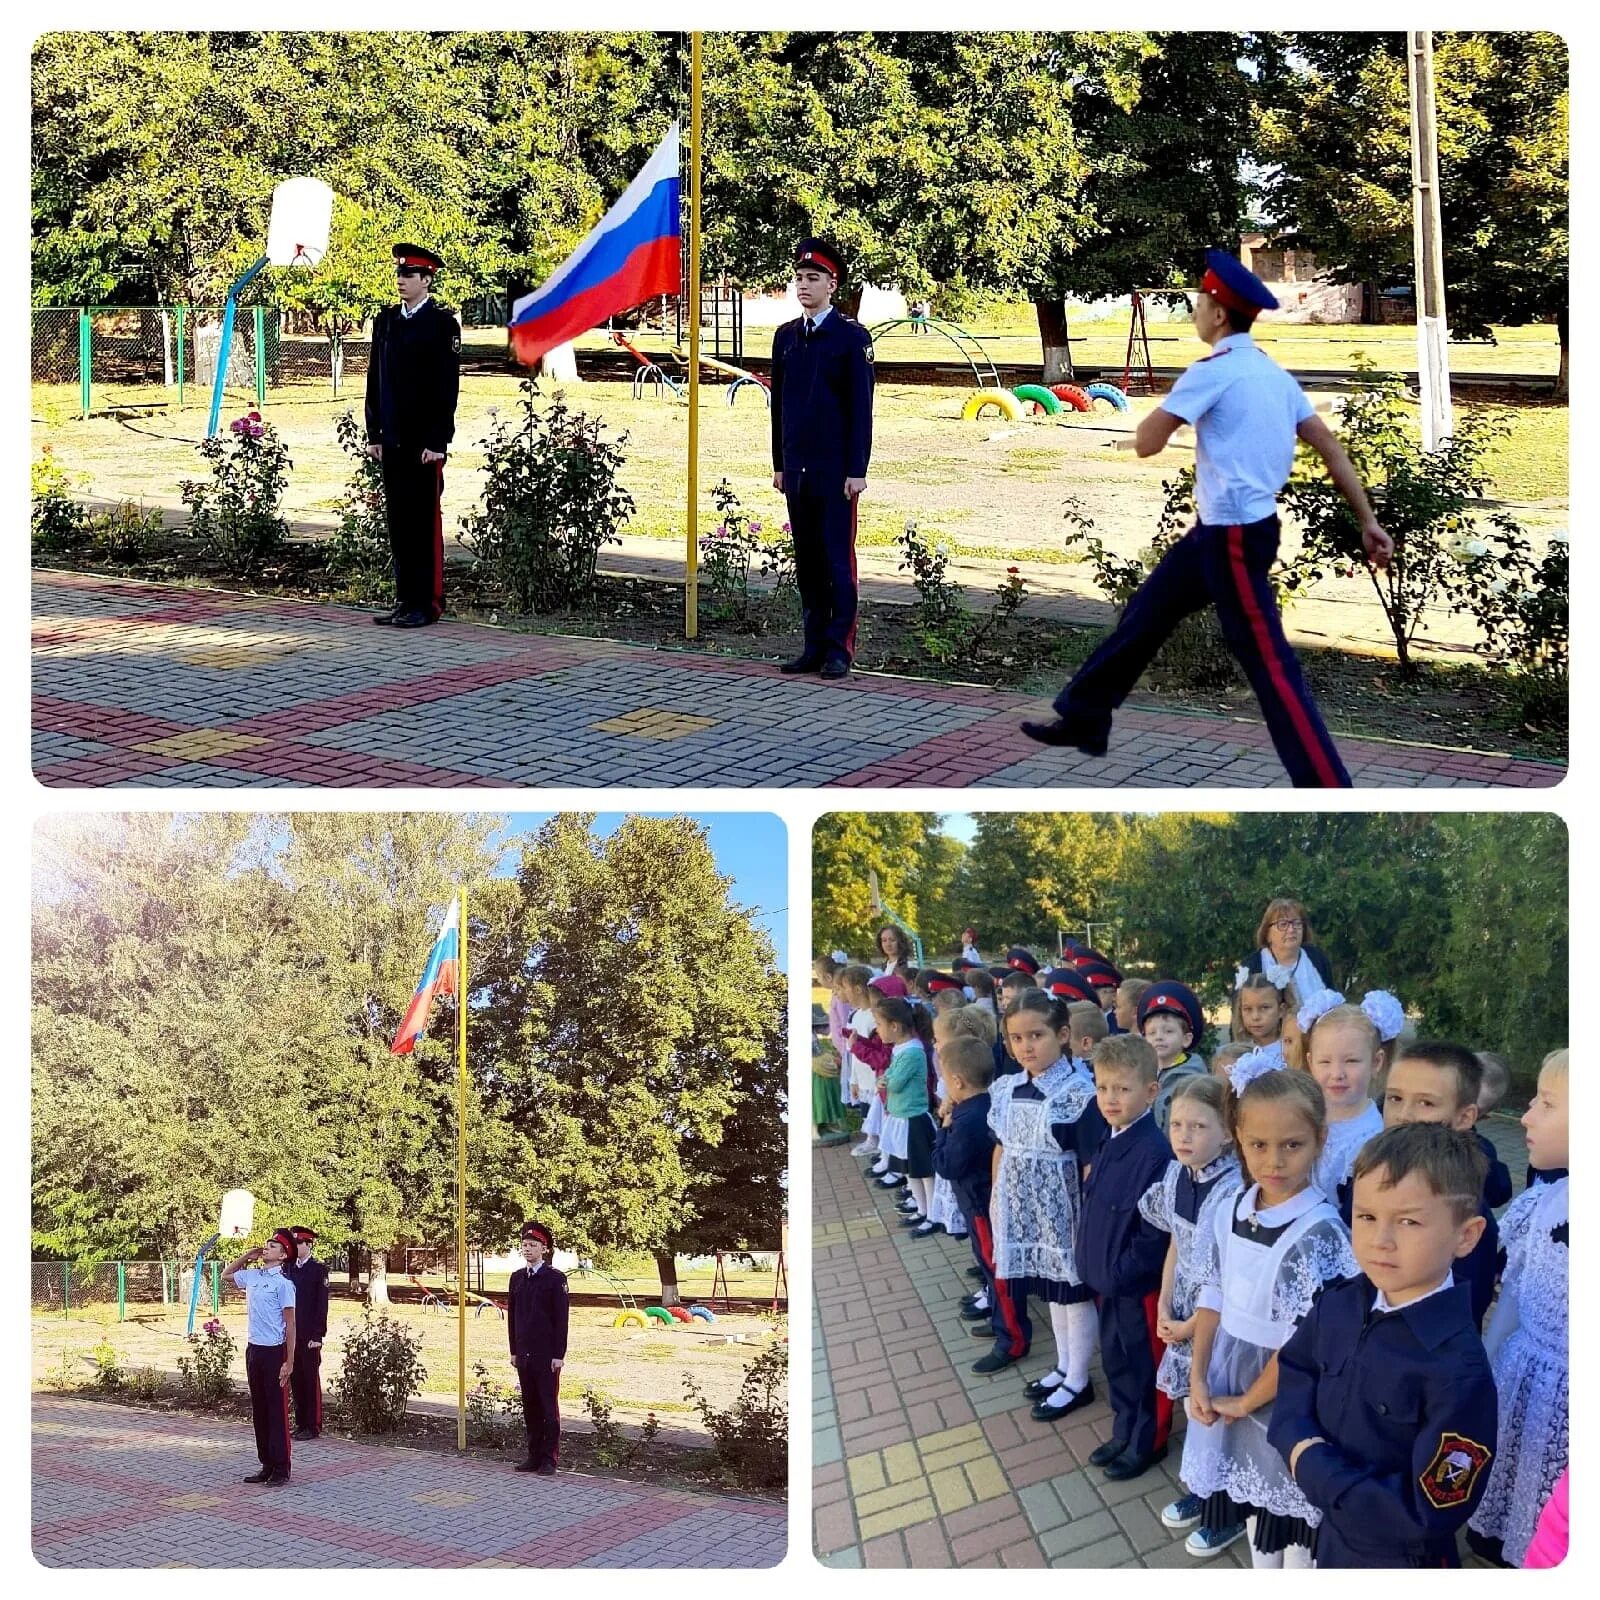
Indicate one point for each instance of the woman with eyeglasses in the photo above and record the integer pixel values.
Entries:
(1285, 953)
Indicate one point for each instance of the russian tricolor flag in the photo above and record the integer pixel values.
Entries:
(631, 255)
(438, 977)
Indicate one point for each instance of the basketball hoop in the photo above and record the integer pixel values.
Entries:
(238, 1213)
(302, 215)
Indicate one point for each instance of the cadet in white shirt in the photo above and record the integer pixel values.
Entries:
(1247, 413)
(269, 1352)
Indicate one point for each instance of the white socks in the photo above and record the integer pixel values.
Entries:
(922, 1193)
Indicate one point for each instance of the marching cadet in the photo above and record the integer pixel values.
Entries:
(821, 443)
(269, 1350)
(413, 378)
(310, 1279)
(1386, 1409)
(1246, 412)
(536, 1322)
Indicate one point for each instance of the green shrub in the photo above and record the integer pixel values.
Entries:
(752, 1435)
(59, 522)
(109, 1375)
(359, 554)
(145, 1384)
(494, 1410)
(551, 502)
(609, 1444)
(127, 532)
(238, 516)
(381, 1370)
(1526, 624)
(727, 555)
(203, 1374)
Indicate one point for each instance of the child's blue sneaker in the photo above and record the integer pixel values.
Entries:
(1182, 1513)
(1204, 1543)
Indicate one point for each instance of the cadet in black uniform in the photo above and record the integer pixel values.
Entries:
(413, 379)
(1386, 1409)
(310, 1279)
(536, 1321)
(821, 443)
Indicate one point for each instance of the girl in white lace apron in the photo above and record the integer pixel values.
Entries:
(1204, 1177)
(1270, 1250)
(1527, 1337)
(1047, 1125)
(1344, 1053)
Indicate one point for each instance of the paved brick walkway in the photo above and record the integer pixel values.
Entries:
(150, 685)
(917, 1461)
(116, 1486)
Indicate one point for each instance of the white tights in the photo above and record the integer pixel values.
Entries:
(1074, 1328)
(922, 1193)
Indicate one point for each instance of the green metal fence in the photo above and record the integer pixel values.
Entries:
(65, 1287)
(89, 359)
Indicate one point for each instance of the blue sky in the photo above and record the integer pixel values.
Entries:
(750, 847)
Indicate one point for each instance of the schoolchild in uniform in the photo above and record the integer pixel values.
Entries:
(1120, 1254)
(1087, 1023)
(1247, 413)
(1170, 1020)
(1270, 1253)
(413, 381)
(950, 1022)
(1497, 1189)
(1527, 1336)
(269, 1350)
(963, 1156)
(536, 1324)
(821, 417)
(1046, 1127)
(908, 1123)
(1128, 993)
(1104, 978)
(1386, 1411)
(1435, 1081)
(1342, 1054)
(1202, 1177)
(1258, 1009)
(310, 1279)
(875, 1052)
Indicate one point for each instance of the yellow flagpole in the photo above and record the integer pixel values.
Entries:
(691, 622)
(461, 1182)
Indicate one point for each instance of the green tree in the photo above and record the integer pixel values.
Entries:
(848, 845)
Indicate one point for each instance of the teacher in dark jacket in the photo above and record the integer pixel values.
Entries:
(1284, 951)
(821, 443)
(536, 1321)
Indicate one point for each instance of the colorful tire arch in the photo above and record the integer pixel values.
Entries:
(659, 1314)
(1108, 392)
(1072, 398)
(1038, 395)
(1001, 400)
(679, 1314)
(629, 1319)
(702, 1314)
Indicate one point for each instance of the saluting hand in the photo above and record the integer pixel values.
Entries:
(854, 487)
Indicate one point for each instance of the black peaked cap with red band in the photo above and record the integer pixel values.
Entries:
(1019, 960)
(1235, 285)
(937, 981)
(303, 1234)
(537, 1230)
(285, 1238)
(1173, 1000)
(1069, 984)
(416, 255)
(821, 254)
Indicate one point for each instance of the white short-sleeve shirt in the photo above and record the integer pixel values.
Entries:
(1244, 409)
(268, 1294)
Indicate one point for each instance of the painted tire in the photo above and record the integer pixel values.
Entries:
(1108, 392)
(679, 1314)
(1072, 398)
(1001, 400)
(1040, 396)
(702, 1314)
(659, 1314)
(629, 1319)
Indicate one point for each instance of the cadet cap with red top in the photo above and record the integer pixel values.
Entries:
(1231, 282)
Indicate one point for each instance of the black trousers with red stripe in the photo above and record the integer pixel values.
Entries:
(822, 523)
(1141, 1416)
(1013, 1333)
(1226, 568)
(269, 1404)
(541, 1408)
(412, 489)
(305, 1382)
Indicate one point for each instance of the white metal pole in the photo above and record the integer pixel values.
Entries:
(1433, 335)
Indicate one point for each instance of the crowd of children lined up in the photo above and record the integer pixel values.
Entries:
(1297, 1243)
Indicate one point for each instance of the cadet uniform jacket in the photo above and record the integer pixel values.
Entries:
(536, 1315)
(1120, 1253)
(310, 1281)
(963, 1154)
(413, 378)
(1406, 1401)
(822, 400)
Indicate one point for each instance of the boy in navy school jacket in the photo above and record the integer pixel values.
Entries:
(963, 1154)
(1386, 1409)
(1120, 1254)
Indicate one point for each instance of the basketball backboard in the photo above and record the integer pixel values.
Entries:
(238, 1214)
(302, 214)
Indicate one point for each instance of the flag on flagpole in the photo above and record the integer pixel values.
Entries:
(438, 977)
(631, 254)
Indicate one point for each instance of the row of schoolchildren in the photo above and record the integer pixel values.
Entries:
(1306, 1272)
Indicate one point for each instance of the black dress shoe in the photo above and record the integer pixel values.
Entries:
(926, 1229)
(1131, 1465)
(526, 1466)
(1046, 1412)
(1039, 1388)
(413, 619)
(800, 664)
(263, 1476)
(1107, 1452)
(915, 1220)
(836, 667)
(305, 1433)
(1069, 735)
(983, 1330)
(976, 1272)
(384, 619)
(995, 1361)
(275, 1478)
(545, 1469)
(975, 1313)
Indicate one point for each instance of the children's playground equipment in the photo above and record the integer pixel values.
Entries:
(739, 378)
(878, 906)
(1138, 372)
(237, 1214)
(297, 236)
(650, 374)
(968, 345)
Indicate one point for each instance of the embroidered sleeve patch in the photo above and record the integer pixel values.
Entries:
(869, 353)
(455, 343)
(1450, 1476)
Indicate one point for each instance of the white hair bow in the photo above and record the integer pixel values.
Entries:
(1385, 1013)
(1239, 976)
(1256, 1064)
(1307, 1015)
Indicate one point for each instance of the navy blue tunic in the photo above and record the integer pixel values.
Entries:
(1120, 1253)
(963, 1154)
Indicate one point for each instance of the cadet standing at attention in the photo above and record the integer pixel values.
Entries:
(1246, 412)
(821, 443)
(536, 1323)
(310, 1279)
(269, 1349)
(413, 378)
